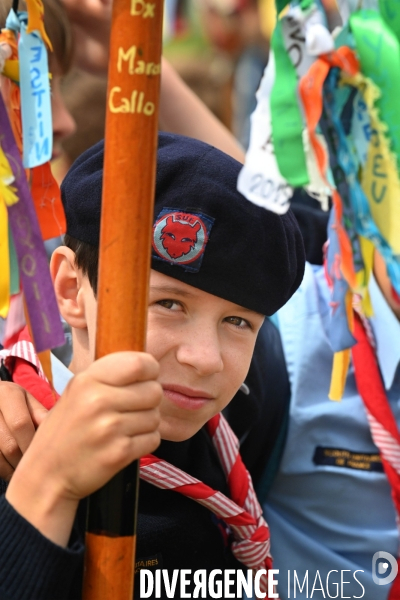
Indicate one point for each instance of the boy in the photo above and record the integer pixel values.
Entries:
(219, 265)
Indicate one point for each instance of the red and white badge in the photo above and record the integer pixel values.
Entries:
(180, 237)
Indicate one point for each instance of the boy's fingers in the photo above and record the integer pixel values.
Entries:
(145, 395)
(18, 420)
(145, 444)
(9, 448)
(139, 423)
(6, 470)
(37, 411)
(124, 368)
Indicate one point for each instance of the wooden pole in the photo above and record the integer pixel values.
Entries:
(124, 269)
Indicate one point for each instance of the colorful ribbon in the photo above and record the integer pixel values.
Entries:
(36, 20)
(287, 121)
(38, 289)
(7, 198)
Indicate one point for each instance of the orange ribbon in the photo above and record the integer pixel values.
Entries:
(310, 89)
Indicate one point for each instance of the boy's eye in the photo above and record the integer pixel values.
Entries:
(239, 322)
(170, 304)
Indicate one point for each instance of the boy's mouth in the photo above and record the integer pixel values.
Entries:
(187, 398)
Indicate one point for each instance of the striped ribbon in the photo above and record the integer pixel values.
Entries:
(383, 426)
(242, 513)
(25, 350)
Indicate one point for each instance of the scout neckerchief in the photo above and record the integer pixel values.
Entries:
(384, 431)
(242, 513)
(19, 359)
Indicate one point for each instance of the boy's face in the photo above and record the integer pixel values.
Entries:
(204, 346)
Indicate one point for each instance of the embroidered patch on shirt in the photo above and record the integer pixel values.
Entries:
(150, 563)
(180, 238)
(338, 457)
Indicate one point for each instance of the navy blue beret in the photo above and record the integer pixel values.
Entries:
(205, 233)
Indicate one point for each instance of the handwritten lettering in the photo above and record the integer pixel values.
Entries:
(377, 166)
(269, 190)
(139, 67)
(378, 196)
(378, 185)
(296, 47)
(296, 55)
(46, 323)
(375, 138)
(268, 145)
(139, 8)
(35, 98)
(25, 231)
(36, 290)
(28, 265)
(135, 104)
(36, 53)
(35, 78)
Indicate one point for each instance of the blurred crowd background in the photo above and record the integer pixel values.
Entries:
(218, 47)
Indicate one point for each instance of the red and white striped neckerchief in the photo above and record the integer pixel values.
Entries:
(24, 349)
(19, 360)
(383, 426)
(242, 513)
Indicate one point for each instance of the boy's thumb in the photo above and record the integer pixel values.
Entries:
(37, 410)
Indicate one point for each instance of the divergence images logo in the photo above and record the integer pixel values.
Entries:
(380, 568)
(180, 237)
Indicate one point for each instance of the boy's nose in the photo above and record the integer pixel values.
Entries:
(63, 123)
(202, 351)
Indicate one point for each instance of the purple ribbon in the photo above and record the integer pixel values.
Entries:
(38, 289)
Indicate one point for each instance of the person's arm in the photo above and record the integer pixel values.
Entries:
(106, 418)
(32, 567)
(182, 112)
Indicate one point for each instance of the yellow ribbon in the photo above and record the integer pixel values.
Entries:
(341, 360)
(367, 252)
(11, 70)
(379, 180)
(8, 197)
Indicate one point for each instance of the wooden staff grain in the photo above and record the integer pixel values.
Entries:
(124, 269)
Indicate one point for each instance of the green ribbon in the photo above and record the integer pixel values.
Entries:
(280, 5)
(286, 118)
(14, 270)
(379, 52)
(390, 12)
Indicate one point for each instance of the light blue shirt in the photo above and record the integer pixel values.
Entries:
(326, 517)
(61, 375)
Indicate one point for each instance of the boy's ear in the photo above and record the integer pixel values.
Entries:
(67, 281)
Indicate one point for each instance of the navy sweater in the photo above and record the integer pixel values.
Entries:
(173, 530)
(177, 532)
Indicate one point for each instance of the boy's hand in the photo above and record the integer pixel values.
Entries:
(106, 418)
(20, 415)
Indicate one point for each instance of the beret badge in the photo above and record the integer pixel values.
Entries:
(180, 238)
